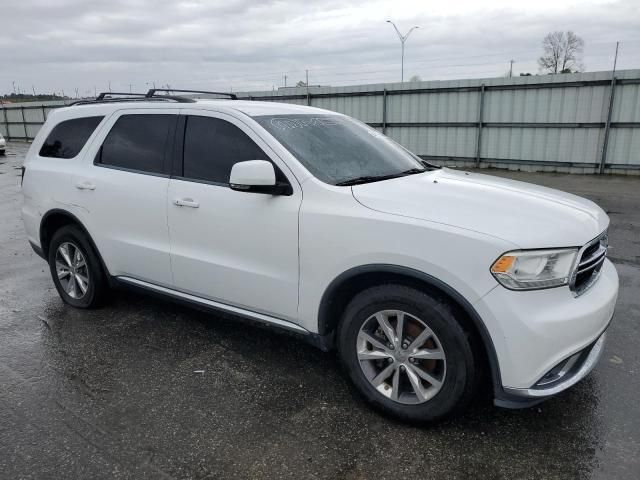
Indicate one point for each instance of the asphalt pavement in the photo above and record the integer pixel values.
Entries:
(143, 388)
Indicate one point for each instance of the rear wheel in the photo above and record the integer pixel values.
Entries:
(406, 353)
(76, 269)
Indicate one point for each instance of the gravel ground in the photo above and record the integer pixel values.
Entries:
(114, 393)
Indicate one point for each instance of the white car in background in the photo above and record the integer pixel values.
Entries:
(426, 280)
(3, 145)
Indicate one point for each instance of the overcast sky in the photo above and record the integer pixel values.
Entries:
(51, 45)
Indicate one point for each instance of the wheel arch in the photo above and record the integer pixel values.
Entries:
(57, 218)
(342, 289)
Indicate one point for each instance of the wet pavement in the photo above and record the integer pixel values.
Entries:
(114, 393)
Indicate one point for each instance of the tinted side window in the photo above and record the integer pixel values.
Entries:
(68, 137)
(212, 146)
(137, 142)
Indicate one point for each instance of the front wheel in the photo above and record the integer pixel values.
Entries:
(406, 353)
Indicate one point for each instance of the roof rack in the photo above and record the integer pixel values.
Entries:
(115, 97)
(152, 92)
(151, 95)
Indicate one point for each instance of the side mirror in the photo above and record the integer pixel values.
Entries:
(257, 176)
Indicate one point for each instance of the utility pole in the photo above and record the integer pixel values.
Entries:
(130, 85)
(34, 90)
(109, 85)
(403, 39)
(285, 80)
(511, 68)
(607, 125)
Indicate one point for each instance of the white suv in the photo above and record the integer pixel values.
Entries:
(426, 280)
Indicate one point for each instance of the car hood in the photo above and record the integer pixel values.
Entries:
(526, 215)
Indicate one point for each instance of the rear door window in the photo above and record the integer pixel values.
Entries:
(68, 137)
(138, 142)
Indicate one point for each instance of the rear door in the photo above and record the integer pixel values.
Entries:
(233, 247)
(122, 189)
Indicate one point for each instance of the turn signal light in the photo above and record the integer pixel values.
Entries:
(503, 264)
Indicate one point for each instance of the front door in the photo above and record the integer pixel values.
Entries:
(233, 247)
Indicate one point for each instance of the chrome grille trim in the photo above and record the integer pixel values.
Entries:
(589, 260)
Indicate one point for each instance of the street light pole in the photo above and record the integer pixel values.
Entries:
(403, 39)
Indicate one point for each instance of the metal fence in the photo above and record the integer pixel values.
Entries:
(23, 121)
(582, 123)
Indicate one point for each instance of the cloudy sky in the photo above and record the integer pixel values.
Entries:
(55, 45)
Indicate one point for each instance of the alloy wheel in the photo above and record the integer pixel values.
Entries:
(72, 270)
(401, 357)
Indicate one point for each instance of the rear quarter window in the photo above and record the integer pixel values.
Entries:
(68, 137)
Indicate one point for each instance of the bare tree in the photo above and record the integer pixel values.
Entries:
(562, 53)
(415, 78)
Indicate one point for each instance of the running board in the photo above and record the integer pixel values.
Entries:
(259, 317)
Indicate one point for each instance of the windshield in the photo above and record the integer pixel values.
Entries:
(340, 150)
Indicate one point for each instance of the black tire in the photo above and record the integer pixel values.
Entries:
(459, 384)
(98, 287)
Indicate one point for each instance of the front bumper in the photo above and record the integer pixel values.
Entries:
(547, 340)
(568, 372)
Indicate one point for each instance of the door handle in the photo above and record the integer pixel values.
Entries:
(85, 185)
(186, 202)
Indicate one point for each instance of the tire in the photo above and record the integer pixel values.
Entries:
(94, 294)
(450, 366)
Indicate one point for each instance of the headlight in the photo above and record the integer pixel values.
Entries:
(534, 269)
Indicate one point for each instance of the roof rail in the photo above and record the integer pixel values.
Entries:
(103, 95)
(152, 92)
(115, 97)
(123, 100)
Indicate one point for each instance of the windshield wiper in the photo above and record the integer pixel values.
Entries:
(364, 179)
(428, 165)
(411, 171)
(377, 178)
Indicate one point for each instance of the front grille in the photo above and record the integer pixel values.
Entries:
(592, 257)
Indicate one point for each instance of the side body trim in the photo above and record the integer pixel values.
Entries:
(215, 305)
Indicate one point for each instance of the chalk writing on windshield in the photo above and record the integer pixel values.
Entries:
(290, 123)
